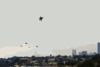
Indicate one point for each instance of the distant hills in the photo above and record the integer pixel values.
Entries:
(89, 48)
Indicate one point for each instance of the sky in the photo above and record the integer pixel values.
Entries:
(66, 24)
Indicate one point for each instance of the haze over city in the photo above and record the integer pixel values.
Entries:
(67, 25)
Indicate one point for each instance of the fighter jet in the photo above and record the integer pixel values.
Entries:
(36, 46)
(21, 45)
(40, 18)
(26, 43)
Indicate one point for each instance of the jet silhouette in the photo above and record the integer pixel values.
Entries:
(26, 43)
(40, 18)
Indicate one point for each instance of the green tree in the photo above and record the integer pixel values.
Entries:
(56, 60)
(60, 63)
(98, 65)
(87, 63)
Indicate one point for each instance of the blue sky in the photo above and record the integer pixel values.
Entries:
(66, 24)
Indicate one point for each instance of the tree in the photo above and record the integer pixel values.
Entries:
(56, 60)
(87, 63)
(60, 64)
(98, 65)
(46, 60)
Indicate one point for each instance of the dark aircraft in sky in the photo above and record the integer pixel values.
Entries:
(36, 46)
(21, 45)
(26, 43)
(40, 18)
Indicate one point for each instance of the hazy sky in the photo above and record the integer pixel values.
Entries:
(66, 24)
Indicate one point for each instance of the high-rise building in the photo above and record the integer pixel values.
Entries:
(79, 53)
(84, 52)
(35, 53)
(99, 48)
(73, 52)
(91, 53)
(50, 55)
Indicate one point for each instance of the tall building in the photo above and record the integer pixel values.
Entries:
(50, 55)
(99, 48)
(79, 53)
(73, 52)
(84, 52)
(88, 54)
(35, 53)
(91, 53)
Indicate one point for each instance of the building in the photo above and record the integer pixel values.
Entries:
(23, 58)
(35, 61)
(88, 54)
(35, 53)
(51, 59)
(68, 57)
(50, 55)
(16, 65)
(84, 52)
(30, 58)
(98, 48)
(91, 53)
(79, 53)
(64, 62)
(24, 66)
(94, 53)
(29, 66)
(73, 52)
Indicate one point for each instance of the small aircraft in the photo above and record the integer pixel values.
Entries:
(36, 46)
(21, 45)
(26, 43)
(40, 18)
